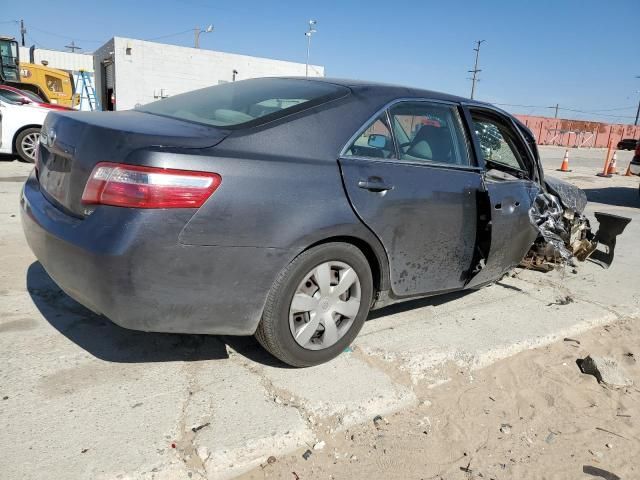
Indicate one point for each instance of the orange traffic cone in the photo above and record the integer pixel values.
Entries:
(612, 166)
(565, 163)
(605, 170)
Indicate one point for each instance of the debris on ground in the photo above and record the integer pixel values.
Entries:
(610, 432)
(307, 454)
(606, 370)
(320, 445)
(378, 421)
(5, 397)
(566, 300)
(271, 460)
(550, 438)
(567, 339)
(505, 428)
(200, 427)
(600, 473)
(467, 469)
(84, 450)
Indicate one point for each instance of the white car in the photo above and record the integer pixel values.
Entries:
(20, 128)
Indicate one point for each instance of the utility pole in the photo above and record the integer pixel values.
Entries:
(22, 31)
(556, 115)
(73, 47)
(308, 33)
(475, 70)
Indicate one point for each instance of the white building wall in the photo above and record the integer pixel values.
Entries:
(58, 59)
(147, 71)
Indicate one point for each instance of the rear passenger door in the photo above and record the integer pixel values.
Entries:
(410, 178)
(509, 173)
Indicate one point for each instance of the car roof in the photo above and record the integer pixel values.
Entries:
(391, 90)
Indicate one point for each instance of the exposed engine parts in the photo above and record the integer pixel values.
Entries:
(565, 232)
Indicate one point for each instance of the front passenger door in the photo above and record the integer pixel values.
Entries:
(509, 169)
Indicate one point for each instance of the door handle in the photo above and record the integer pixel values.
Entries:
(374, 185)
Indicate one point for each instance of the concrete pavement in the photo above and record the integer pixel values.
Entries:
(87, 399)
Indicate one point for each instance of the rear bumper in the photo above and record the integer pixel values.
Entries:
(634, 166)
(129, 266)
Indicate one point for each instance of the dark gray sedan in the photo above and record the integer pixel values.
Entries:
(288, 208)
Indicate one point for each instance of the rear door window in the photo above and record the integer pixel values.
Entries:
(374, 142)
(429, 132)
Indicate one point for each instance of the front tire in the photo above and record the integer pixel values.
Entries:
(27, 144)
(317, 305)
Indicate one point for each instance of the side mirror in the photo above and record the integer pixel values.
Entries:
(24, 101)
(377, 141)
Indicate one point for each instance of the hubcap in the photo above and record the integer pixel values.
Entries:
(29, 145)
(324, 305)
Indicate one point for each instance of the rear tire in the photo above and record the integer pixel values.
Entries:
(27, 144)
(281, 320)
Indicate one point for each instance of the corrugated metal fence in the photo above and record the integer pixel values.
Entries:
(577, 133)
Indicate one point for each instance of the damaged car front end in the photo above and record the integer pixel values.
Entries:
(565, 230)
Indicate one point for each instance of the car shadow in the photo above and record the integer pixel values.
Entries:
(109, 342)
(418, 303)
(616, 196)
(4, 157)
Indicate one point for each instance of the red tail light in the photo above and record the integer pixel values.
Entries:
(148, 187)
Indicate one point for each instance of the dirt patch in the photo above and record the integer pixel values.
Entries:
(534, 415)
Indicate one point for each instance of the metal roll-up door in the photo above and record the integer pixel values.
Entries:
(108, 91)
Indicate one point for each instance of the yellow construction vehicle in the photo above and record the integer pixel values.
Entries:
(51, 84)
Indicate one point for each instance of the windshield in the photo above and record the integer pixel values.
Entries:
(32, 96)
(11, 97)
(245, 103)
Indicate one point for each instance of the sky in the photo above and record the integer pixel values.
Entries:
(583, 55)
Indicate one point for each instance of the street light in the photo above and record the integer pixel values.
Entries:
(197, 31)
(308, 33)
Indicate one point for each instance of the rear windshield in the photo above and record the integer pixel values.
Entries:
(247, 102)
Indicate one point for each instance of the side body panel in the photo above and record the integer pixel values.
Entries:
(426, 222)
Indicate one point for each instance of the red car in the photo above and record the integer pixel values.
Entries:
(15, 95)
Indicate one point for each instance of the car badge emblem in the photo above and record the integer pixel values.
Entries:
(51, 137)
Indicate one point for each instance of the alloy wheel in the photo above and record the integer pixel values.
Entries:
(29, 144)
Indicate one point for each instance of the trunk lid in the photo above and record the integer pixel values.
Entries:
(72, 143)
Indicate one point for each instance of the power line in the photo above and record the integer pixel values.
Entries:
(66, 37)
(170, 35)
(36, 42)
(573, 110)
